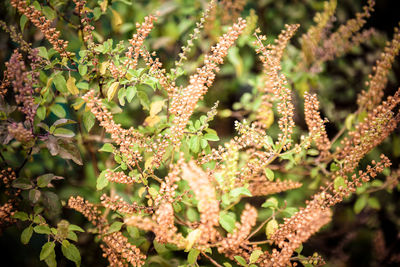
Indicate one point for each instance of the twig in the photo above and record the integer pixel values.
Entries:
(211, 259)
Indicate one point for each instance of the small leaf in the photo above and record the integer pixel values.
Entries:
(270, 203)
(107, 147)
(289, 211)
(21, 183)
(71, 86)
(240, 260)
(82, 70)
(112, 90)
(102, 181)
(22, 22)
(227, 221)
(58, 110)
(42, 229)
(255, 255)
(211, 137)
(26, 235)
(41, 113)
(51, 259)
(72, 236)
(271, 227)
(62, 132)
(130, 93)
(234, 193)
(144, 99)
(73, 227)
(88, 120)
(373, 202)
(71, 252)
(49, 12)
(46, 250)
(269, 173)
(34, 195)
(115, 227)
(361, 202)
(191, 239)
(156, 107)
(20, 215)
(339, 183)
(192, 256)
(60, 83)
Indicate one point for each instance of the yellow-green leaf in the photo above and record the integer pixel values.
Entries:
(272, 226)
(71, 86)
(112, 90)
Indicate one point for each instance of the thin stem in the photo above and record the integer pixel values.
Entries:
(211, 260)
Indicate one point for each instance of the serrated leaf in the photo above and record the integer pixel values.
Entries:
(255, 255)
(58, 110)
(211, 137)
(73, 227)
(42, 229)
(71, 252)
(271, 227)
(26, 235)
(102, 181)
(115, 227)
(112, 90)
(62, 132)
(20, 215)
(192, 256)
(239, 191)
(269, 173)
(22, 22)
(60, 83)
(227, 221)
(88, 120)
(71, 86)
(46, 250)
(270, 203)
(107, 147)
(240, 260)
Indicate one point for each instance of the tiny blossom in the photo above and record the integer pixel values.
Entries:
(20, 133)
(369, 99)
(231, 245)
(88, 210)
(316, 125)
(116, 203)
(119, 177)
(40, 21)
(261, 186)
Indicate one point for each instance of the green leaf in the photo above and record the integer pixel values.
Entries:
(360, 204)
(107, 147)
(42, 229)
(269, 173)
(44, 180)
(51, 259)
(271, 202)
(49, 13)
(271, 227)
(62, 132)
(211, 137)
(82, 70)
(26, 235)
(289, 211)
(334, 167)
(115, 227)
(60, 83)
(194, 143)
(192, 256)
(88, 120)
(373, 202)
(43, 52)
(34, 195)
(73, 227)
(22, 22)
(339, 182)
(130, 93)
(72, 236)
(22, 183)
(144, 100)
(71, 252)
(41, 113)
(240, 260)
(102, 181)
(227, 221)
(255, 255)
(46, 250)
(236, 192)
(58, 110)
(20, 215)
